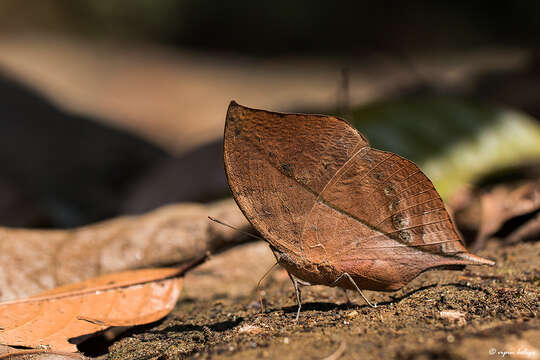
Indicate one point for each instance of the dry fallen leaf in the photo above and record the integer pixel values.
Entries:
(9, 353)
(36, 260)
(505, 202)
(50, 319)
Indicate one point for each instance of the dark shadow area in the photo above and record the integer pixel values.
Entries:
(509, 175)
(317, 306)
(94, 346)
(514, 223)
(216, 327)
(329, 306)
(60, 169)
(197, 175)
(278, 28)
(517, 88)
(396, 299)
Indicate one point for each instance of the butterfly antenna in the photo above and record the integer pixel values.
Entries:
(259, 285)
(255, 237)
(234, 228)
(265, 275)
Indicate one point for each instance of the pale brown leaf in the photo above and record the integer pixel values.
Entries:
(36, 260)
(10, 353)
(504, 202)
(50, 319)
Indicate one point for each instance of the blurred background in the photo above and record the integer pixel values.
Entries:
(118, 107)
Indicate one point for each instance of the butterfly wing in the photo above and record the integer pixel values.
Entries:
(312, 186)
(277, 164)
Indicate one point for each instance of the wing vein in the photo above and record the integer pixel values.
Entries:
(318, 196)
(410, 207)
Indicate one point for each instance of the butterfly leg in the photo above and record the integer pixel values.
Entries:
(298, 293)
(297, 283)
(357, 288)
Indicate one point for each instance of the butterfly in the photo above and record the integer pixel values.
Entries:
(335, 211)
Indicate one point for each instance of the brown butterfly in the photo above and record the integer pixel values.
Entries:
(335, 211)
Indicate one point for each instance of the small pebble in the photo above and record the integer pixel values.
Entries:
(453, 316)
(286, 340)
(250, 329)
(352, 314)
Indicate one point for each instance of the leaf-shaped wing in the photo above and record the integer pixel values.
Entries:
(315, 189)
(277, 164)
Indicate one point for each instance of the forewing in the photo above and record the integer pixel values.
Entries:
(277, 164)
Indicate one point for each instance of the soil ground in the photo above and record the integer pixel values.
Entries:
(499, 308)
